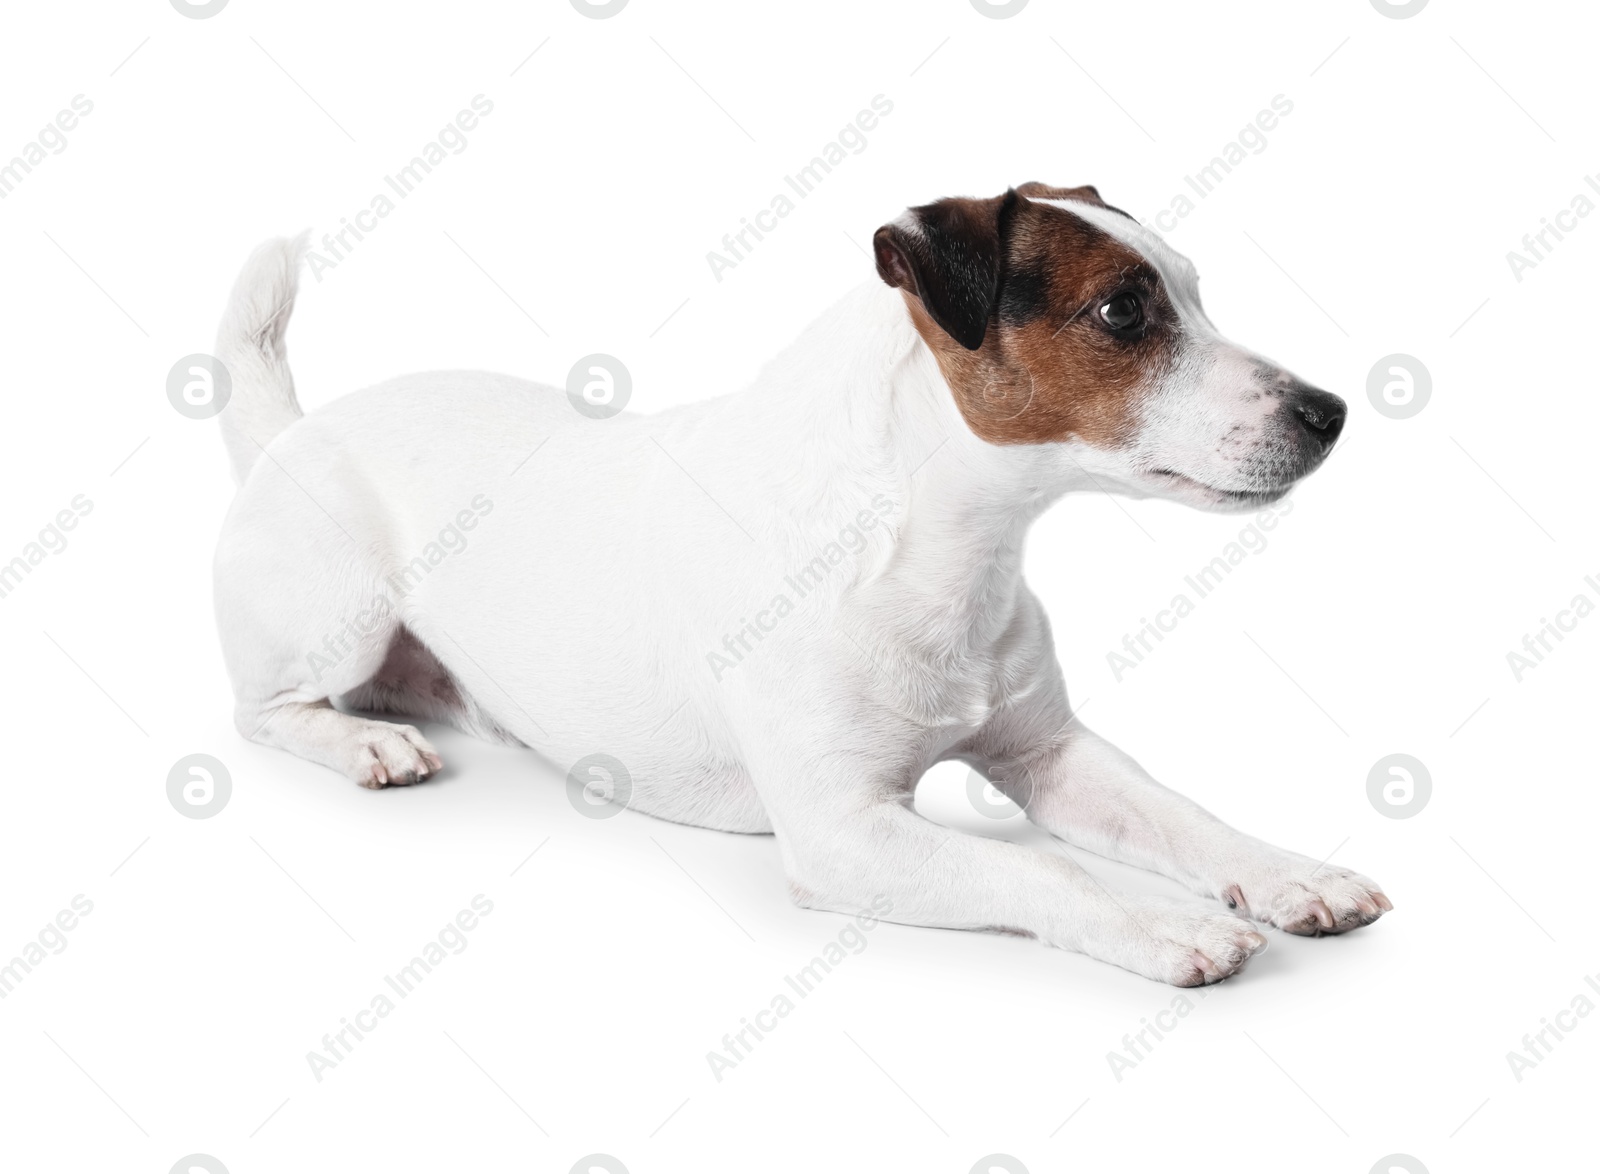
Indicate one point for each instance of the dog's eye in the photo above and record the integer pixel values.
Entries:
(1122, 312)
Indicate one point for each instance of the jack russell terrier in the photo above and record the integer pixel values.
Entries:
(856, 519)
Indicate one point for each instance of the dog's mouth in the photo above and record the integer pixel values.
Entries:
(1213, 497)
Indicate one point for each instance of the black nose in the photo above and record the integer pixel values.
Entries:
(1322, 415)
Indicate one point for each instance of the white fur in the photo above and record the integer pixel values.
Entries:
(1209, 421)
(585, 609)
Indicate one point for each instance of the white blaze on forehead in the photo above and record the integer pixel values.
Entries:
(1177, 272)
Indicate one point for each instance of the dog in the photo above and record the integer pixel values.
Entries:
(779, 608)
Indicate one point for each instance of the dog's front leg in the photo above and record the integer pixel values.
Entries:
(1083, 789)
(851, 842)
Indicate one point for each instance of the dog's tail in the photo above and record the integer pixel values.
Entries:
(250, 345)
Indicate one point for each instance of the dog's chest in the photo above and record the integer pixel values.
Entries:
(948, 671)
(948, 699)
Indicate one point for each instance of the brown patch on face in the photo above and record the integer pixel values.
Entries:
(1047, 365)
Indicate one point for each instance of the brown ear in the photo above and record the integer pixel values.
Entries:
(951, 255)
(1084, 195)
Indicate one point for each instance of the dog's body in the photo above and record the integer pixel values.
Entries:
(777, 609)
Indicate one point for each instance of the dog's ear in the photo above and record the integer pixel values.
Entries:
(1086, 194)
(951, 255)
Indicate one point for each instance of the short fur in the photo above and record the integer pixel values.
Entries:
(779, 608)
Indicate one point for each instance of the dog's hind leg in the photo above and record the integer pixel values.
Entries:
(373, 753)
(293, 710)
(296, 638)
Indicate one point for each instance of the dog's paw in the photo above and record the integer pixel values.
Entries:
(1185, 948)
(389, 755)
(1300, 896)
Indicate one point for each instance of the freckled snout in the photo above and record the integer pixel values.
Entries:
(1320, 416)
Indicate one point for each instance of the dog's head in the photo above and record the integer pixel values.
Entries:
(1055, 317)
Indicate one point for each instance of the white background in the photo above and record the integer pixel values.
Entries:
(178, 1018)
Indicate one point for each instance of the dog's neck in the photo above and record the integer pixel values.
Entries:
(963, 504)
(857, 412)
(968, 507)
